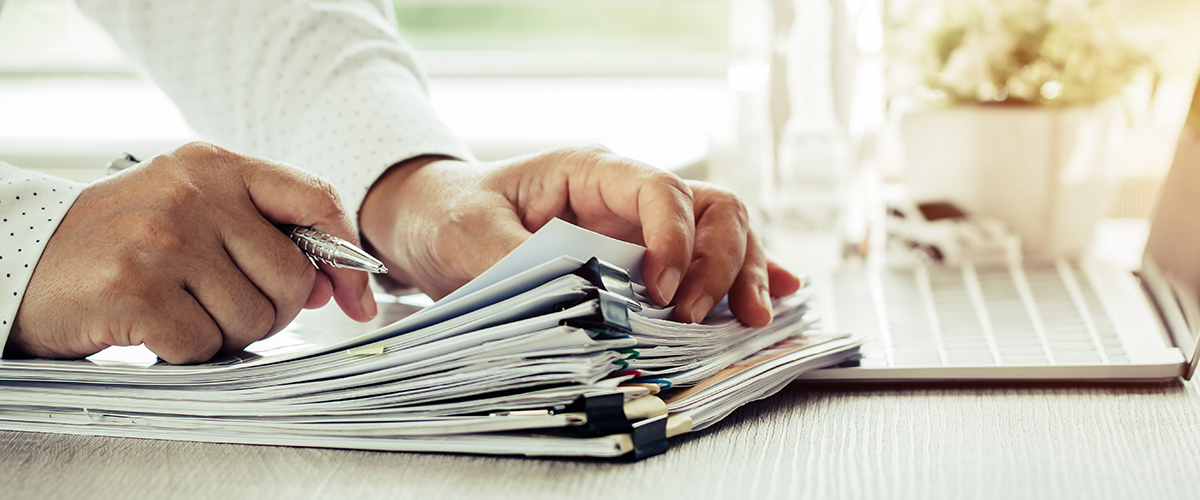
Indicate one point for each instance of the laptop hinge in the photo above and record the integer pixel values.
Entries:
(1171, 315)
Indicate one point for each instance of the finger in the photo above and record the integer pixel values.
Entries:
(240, 309)
(782, 281)
(180, 333)
(322, 291)
(749, 298)
(271, 262)
(721, 235)
(287, 195)
(661, 203)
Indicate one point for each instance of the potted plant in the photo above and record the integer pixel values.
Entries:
(1017, 110)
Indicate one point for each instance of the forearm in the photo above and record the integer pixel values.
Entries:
(327, 86)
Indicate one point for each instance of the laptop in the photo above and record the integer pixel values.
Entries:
(1035, 320)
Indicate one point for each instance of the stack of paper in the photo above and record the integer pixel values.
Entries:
(551, 352)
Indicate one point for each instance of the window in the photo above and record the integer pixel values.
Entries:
(510, 76)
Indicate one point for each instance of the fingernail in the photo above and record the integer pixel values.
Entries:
(668, 283)
(701, 307)
(368, 304)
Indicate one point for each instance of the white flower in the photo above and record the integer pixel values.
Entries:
(1058, 52)
(969, 71)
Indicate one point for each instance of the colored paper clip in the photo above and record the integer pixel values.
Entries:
(662, 383)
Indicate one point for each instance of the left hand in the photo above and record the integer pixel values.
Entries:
(438, 223)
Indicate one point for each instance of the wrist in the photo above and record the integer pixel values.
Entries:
(389, 216)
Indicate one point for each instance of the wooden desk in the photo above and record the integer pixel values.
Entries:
(920, 443)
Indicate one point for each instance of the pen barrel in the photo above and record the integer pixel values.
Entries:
(319, 246)
(331, 250)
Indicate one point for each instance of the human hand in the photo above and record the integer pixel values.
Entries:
(439, 223)
(179, 253)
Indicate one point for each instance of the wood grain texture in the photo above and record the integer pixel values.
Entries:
(918, 443)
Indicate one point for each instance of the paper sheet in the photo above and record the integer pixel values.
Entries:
(556, 239)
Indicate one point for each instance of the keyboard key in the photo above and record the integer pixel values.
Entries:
(1082, 346)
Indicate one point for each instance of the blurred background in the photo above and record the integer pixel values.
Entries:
(812, 110)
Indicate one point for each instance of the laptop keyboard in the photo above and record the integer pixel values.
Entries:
(1034, 314)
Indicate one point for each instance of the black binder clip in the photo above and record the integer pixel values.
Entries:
(611, 316)
(613, 295)
(606, 416)
(649, 438)
(605, 412)
(608, 277)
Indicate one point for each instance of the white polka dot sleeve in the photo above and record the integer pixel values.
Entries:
(328, 86)
(31, 206)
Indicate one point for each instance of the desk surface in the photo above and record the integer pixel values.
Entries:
(921, 443)
(997, 441)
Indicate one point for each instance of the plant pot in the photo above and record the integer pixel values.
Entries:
(1049, 173)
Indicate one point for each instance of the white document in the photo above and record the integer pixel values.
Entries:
(556, 239)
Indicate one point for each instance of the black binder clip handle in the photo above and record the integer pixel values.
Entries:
(649, 437)
(610, 278)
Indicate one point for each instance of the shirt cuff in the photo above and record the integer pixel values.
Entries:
(31, 207)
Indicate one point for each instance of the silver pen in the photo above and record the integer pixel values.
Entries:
(317, 245)
(327, 248)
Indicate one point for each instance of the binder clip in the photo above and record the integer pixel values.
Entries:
(605, 412)
(611, 316)
(606, 415)
(649, 438)
(608, 277)
(614, 297)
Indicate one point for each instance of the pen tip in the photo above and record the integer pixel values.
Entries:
(382, 269)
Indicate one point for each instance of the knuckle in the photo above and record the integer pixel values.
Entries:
(326, 198)
(589, 155)
(671, 181)
(725, 201)
(734, 206)
(180, 342)
(180, 190)
(260, 318)
(594, 149)
(676, 186)
(176, 338)
(172, 182)
(200, 151)
(302, 275)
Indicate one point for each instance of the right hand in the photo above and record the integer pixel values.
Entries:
(180, 253)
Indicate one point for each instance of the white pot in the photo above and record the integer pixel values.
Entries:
(1049, 173)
